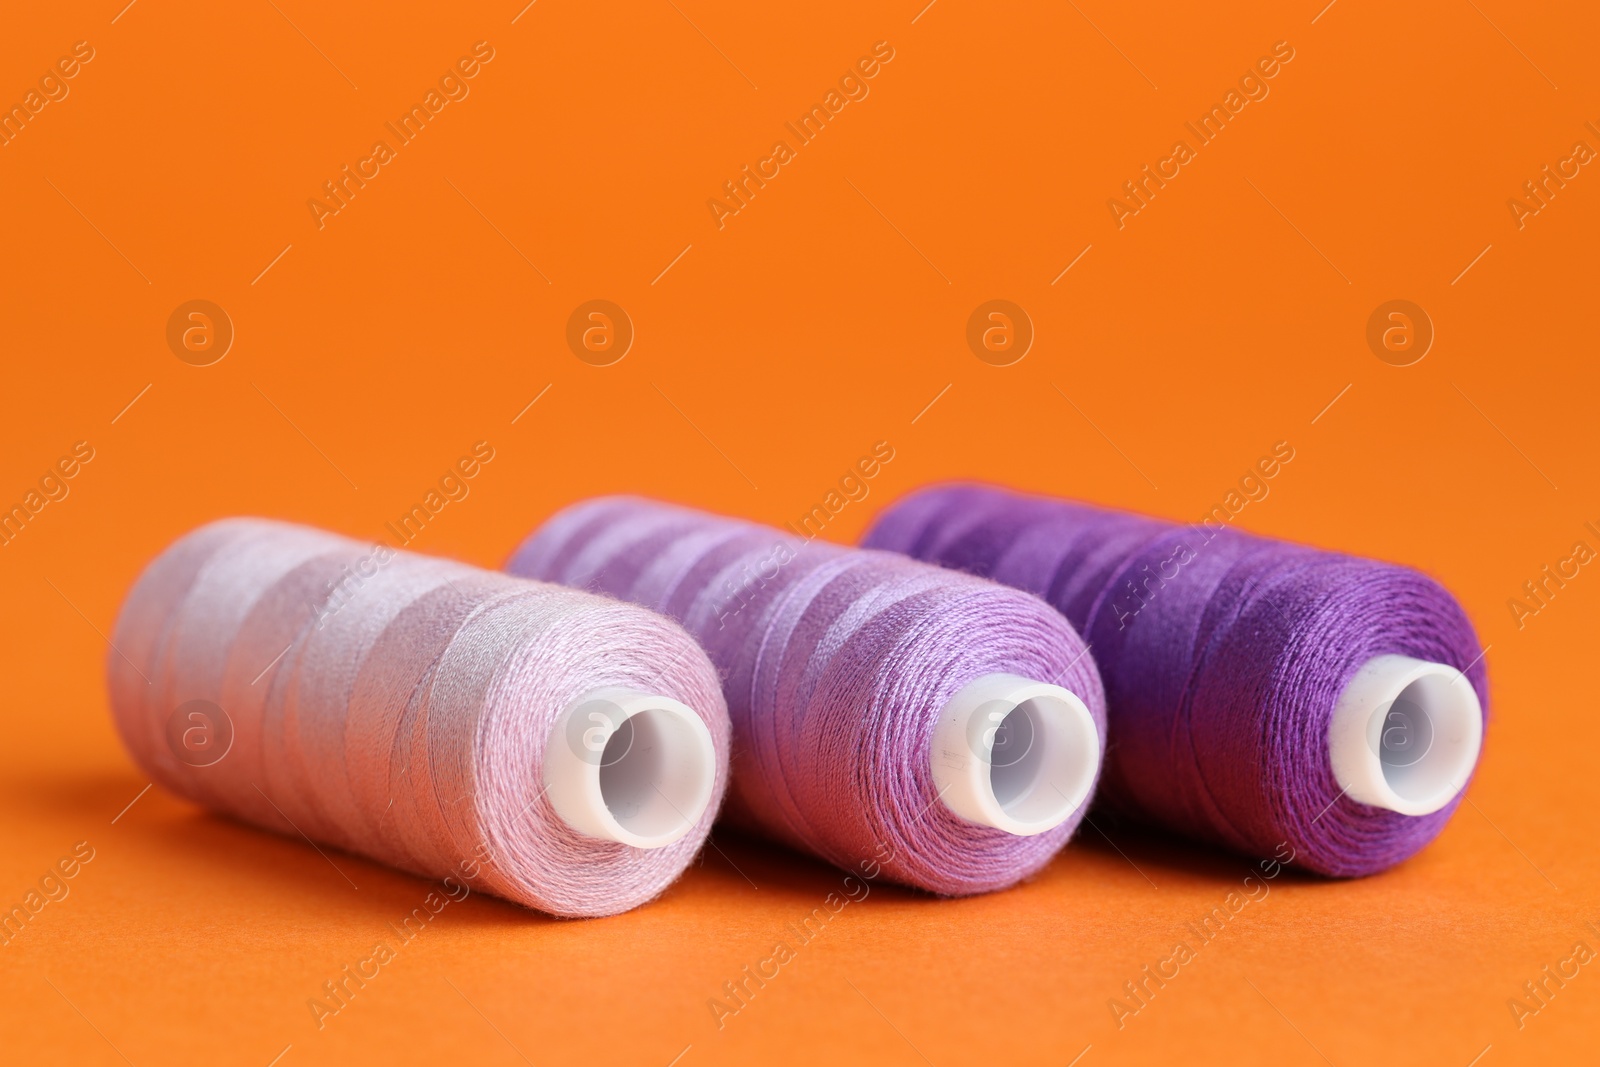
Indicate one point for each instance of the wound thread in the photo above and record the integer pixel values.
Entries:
(1224, 657)
(837, 664)
(403, 708)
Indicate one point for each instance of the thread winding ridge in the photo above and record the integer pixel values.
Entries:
(836, 663)
(1223, 655)
(395, 705)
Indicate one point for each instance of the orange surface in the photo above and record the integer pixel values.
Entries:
(766, 357)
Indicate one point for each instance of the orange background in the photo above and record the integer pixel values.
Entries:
(824, 317)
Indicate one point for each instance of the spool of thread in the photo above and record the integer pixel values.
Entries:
(560, 750)
(1258, 692)
(881, 708)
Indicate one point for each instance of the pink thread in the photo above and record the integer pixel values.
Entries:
(394, 705)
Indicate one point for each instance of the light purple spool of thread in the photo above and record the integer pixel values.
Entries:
(1258, 692)
(880, 707)
(554, 748)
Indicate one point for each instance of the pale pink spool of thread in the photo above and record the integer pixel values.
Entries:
(552, 747)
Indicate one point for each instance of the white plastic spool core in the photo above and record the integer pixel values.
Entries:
(1405, 734)
(1015, 754)
(622, 765)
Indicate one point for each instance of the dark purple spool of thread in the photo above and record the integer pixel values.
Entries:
(844, 670)
(1240, 670)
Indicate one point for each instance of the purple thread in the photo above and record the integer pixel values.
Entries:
(1222, 654)
(835, 663)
